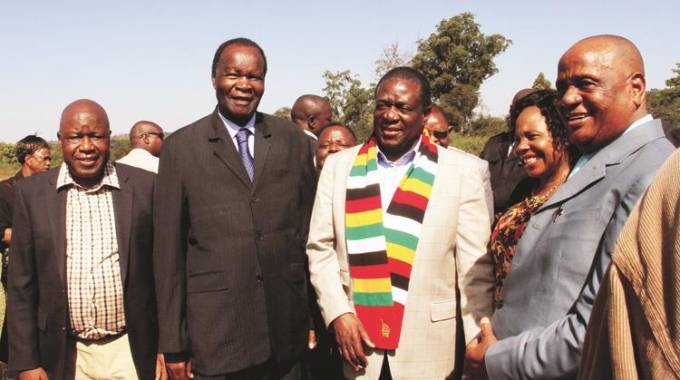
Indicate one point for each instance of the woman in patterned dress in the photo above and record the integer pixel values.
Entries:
(544, 151)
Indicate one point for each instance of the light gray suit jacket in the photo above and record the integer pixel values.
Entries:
(562, 256)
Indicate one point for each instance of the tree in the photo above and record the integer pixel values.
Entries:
(390, 58)
(665, 104)
(540, 83)
(352, 104)
(458, 55)
(283, 112)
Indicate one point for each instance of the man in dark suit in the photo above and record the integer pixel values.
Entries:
(81, 282)
(232, 207)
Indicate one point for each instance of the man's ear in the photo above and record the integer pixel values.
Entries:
(214, 82)
(638, 87)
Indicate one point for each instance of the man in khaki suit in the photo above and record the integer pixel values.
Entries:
(399, 228)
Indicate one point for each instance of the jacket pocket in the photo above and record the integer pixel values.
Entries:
(206, 282)
(442, 310)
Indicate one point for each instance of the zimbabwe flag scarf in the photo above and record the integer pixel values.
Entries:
(381, 246)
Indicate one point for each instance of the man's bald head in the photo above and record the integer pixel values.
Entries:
(147, 135)
(438, 126)
(601, 84)
(82, 108)
(610, 49)
(311, 112)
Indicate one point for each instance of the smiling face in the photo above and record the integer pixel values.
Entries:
(600, 93)
(331, 140)
(399, 116)
(239, 82)
(84, 137)
(534, 144)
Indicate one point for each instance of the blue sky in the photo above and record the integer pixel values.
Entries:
(151, 59)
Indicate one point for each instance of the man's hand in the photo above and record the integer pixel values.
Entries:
(161, 372)
(476, 349)
(179, 370)
(311, 339)
(33, 374)
(7, 236)
(349, 333)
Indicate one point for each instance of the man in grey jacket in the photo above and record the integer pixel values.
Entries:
(567, 245)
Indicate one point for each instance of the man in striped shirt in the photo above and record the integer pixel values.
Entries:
(81, 287)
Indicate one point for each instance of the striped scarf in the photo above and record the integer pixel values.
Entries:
(381, 247)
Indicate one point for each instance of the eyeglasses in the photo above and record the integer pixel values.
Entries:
(160, 135)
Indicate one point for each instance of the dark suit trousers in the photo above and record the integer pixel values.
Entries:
(267, 371)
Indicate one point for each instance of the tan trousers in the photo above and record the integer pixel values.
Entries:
(108, 358)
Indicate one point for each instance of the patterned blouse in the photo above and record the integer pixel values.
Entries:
(506, 235)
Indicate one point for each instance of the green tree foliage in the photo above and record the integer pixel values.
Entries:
(352, 104)
(456, 59)
(283, 112)
(485, 125)
(665, 103)
(540, 83)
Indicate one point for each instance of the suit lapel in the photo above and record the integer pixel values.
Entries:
(224, 149)
(122, 209)
(612, 154)
(262, 143)
(56, 214)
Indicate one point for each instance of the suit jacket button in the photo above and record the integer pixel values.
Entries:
(259, 278)
(255, 200)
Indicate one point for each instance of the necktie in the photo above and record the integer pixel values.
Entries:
(244, 152)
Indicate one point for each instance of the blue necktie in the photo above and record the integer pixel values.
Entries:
(244, 152)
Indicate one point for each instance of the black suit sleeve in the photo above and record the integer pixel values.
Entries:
(170, 226)
(22, 292)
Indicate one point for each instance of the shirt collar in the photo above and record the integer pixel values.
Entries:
(583, 160)
(233, 128)
(645, 119)
(110, 178)
(404, 160)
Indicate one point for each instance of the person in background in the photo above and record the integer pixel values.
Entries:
(543, 148)
(333, 138)
(311, 113)
(146, 140)
(438, 126)
(33, 153)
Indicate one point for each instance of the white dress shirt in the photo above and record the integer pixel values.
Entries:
(390, 173)
(233, 129)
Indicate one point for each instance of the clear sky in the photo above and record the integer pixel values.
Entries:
(151, 59)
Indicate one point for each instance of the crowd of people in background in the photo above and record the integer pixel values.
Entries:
(246, 246)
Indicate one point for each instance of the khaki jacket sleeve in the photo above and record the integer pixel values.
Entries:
(474, 265)
(324, 268)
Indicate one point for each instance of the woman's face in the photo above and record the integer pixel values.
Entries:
(534, 144)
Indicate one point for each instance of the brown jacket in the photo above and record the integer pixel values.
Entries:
(634, 331)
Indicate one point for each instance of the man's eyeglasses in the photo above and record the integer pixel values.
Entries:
(160, 135)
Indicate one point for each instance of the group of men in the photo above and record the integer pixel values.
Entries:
(204, 270)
